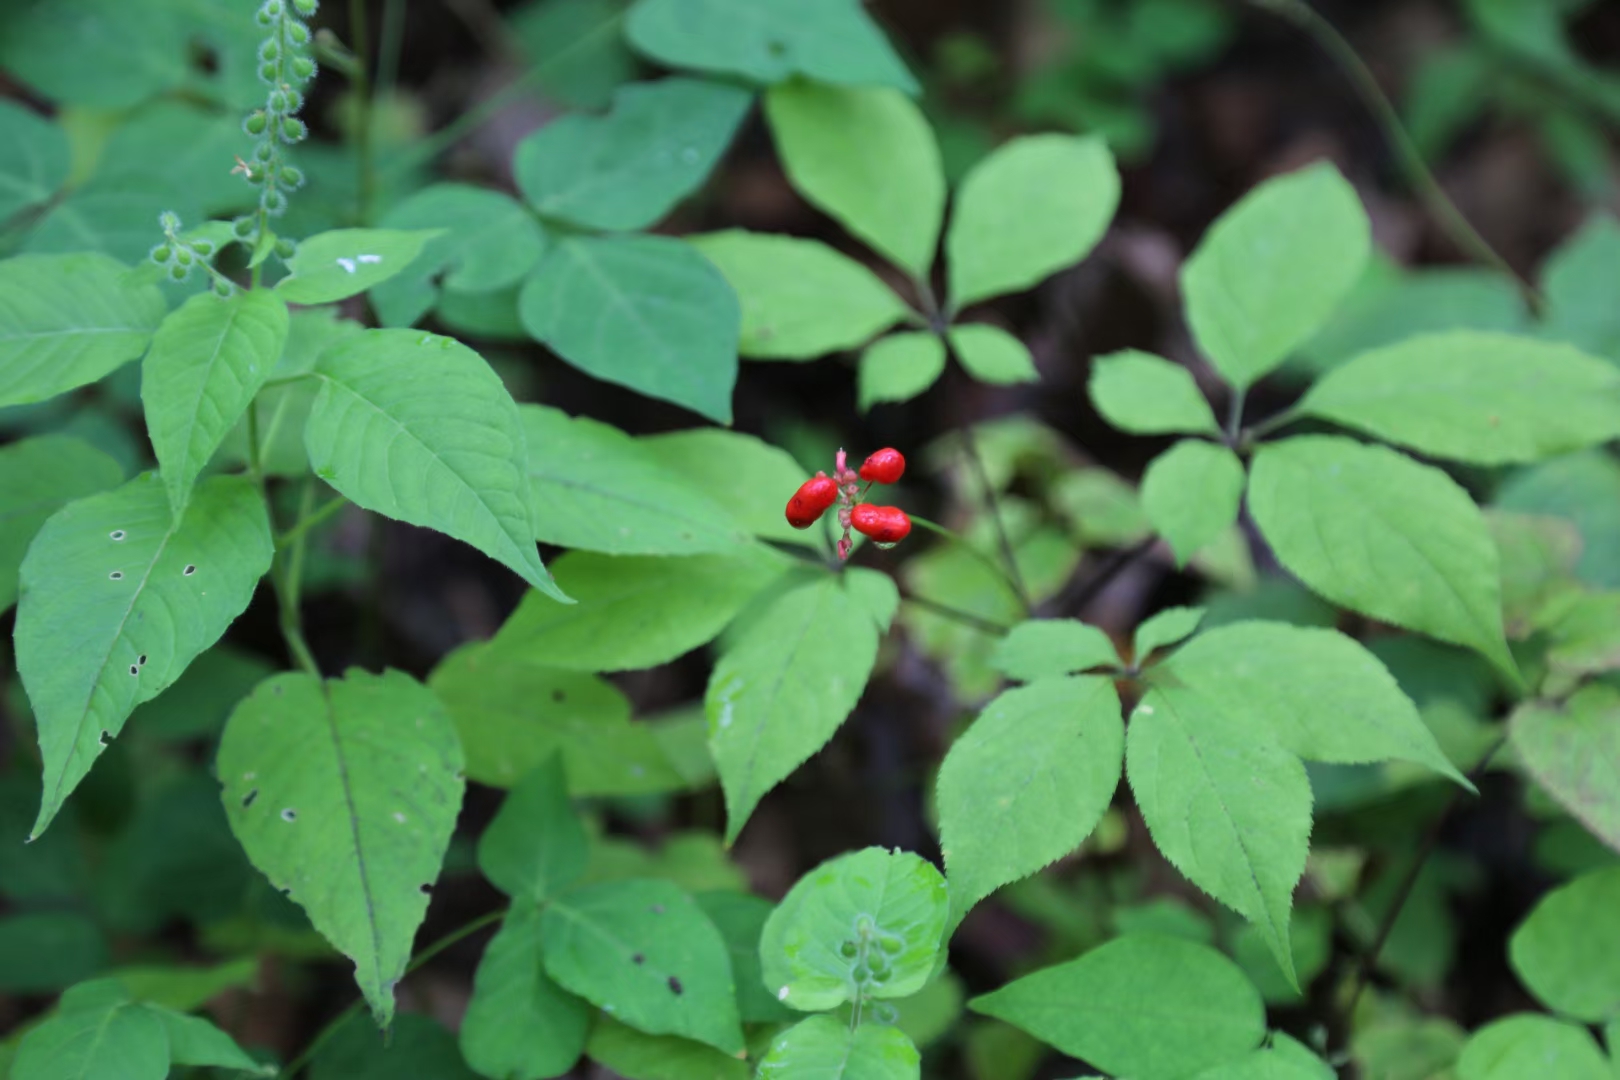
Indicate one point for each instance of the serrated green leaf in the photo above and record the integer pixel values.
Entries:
(1556, 951)
(1144, 1005)
(800, 299)
(37, 159)
(1573, 751)
(740, 917)
(519, 1023)
(1489, 399)
(196, 1042)
(867, 924)
(756, 477)
(868, 158)
(635, 1055)
(1272, 268)
(110, 1039)
(69, 320)
(117, 598)
(344, 794)
(778, 695)
(647, 312)
(206, 363)
(1165, 628)
(1149, 395)
(627, 169)
(644, 952)
(1038, 648)
(825, 1047)
(1191, 493)
(332, 266)
(992, 355)
(1035, 206)
(1027, 782)
(38, 477)
(899, 367)
(1526, 1046)
(1375, 531)
(418, 428)
(535, 847)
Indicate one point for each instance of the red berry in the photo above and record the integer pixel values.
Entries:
(886, 466)
(883, 524)
(812, 499)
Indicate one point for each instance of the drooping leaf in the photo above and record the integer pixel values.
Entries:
(1165, 628)
(1272, 268)
(992, 355)
(1036, 205)
(536, 846)
(1026, 784)
(68, 320)
(117, 598)
(868, 158)
(417, 427)
(1573, 751)
(1563, 950)
(37, 159)
(519, 1023)
(647, 312)
(740, 917)
(757, 478)
(1041, 647)
(344, 794)
(628, 169)
(1149, 395)
(636, 1055)
(38, 477)
(206, 363)
(824, 1046)
(110, 1038)
(899, 367)
(1192, 493)
(1526, 1046)
(331, 266)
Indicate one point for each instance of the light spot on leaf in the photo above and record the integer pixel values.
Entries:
(117, 534)
(116, 575)
(289, 814)
(347, 264)
(399, 817)
(189, 570)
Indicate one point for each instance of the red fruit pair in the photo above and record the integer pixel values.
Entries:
(882, 524)
(813, 499)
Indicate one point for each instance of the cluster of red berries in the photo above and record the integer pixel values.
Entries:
(885, 525)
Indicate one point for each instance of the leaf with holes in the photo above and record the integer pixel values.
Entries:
(206, 363)
(37, 161)
(1038, 648)
(644, 952)
(38, 477)
(519, 1022)
(1192, 493)
(1573, 751)
(535, 847)
(332, 266)
(824, 1046)
(1149, 395)
(117, 598)
(417, 427)
(344, 794)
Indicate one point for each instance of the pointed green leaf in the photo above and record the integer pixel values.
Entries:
(1526, 1046)
(781, 691)
(635, 1055)
(899, 367)
(535, 847)
(644, 951)
(992, 355)
(334, 265)
(1166, 628)
(868, 924)
(37, 159)
(38, 477)
(647, 312)
(1192, 493)
(1144, 1005)
(869, 159)
(829, 1049)
(1557, 949)
(1026, 784)
(1376, 532)
(195, 1041)
(117, 598)
(206, 364)
(1041, 647)
(417, 427)
(1038, 204)
(1272, 268)
(1149, 395)
(344, 794)
(756, 477)
(1573, 751)
(740, 918)
(68, 320)
(113, 1039)
(519, 1023)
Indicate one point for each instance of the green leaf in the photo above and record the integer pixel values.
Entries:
(1573, 279)
(828, 1049)
(195, 1041)
(1564, 949)
(1573, 751)
(647, 312)
(199, 702)
(594, 487)
(800, 299)
(418, 428)
(628, 169)
(574, 49)
(635, 1055)
(67, 321)
(186, 988)
(899, 367)
(1489, 399)
(1149, 395)
(519, 1023)
(1166, 628)
(117, 598)
(1041, 647)
(109, 1039)
(826, 41)
(756, 477)
(535, 847)
(38, 477)
(868, 158)
(332, 266)
(206, 364)
(781, 690)
(637, 612)
(1272, 268)
(1374, 531)
(1143, 1005)
(867, 924)
(1273, 1063)
(117, 217)
(100, 53)
(486, 241)
(1038, 204)
(644, 952)
(1530, 1047)
(992, 355)
(1585, 489)
(344, 794)
(44, 951)
(1026, 784)
(177, 146)
(740, 918)
(1191, 493)
(416, 1046)
(37, 159)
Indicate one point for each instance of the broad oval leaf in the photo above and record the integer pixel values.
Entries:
(519, 1022)
(344, 794)
(1563, 950)
(1038, 204)
(829, 1049)
(117, 598)
(1149, 395)
(1037, 648)
(1526, 1046)
(992, 355)
(38, 477)
(647, 312)
(331, 266)
(1378, 533)
(1191, 493)
(120, 1039)
(68, 320)
(417, 427)
(899, 367)
(1573, 751)
(1027, 782)
(536, 846)
(37, 160)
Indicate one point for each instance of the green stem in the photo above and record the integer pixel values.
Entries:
(1234, 415)
(990, 564)
(966, 618)
(305, 524)
(1014, 574)
(388, 49)
(361, 46)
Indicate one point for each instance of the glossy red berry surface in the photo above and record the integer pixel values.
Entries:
(812, 499)
(886, 466)
(883, 524)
